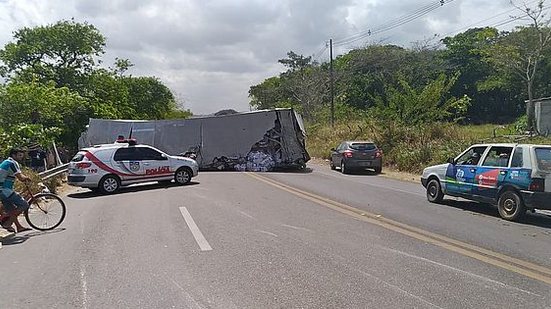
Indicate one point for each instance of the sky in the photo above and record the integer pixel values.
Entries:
(210, 52)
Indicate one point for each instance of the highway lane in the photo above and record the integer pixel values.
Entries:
(263, 246)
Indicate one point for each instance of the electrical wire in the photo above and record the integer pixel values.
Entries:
(394, 23)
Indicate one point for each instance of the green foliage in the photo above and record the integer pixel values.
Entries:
(521, 125)
(178, 114)
(61, 52)
(304, 86)
(54, 85)
(410, 106)
(41, 112)
(25, 134)
(148, 97)
(267, 94)
(295, 62)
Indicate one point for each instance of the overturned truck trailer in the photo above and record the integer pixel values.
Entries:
(252, 141)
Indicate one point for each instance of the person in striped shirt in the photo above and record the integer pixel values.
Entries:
(13, 203)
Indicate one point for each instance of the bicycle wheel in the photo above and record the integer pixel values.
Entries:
(46, 211)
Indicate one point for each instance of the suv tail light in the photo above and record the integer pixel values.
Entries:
(537, 184)
(83, 165)
(379, 154)
(347, 154)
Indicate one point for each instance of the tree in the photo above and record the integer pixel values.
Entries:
(61, 114)
(303, 86)
(62, 52)
(121, 66)
(295, 62)
(149, 98)
(407, 105)
(365, 73)
(522, 51)
(266, 95)
(494, 94)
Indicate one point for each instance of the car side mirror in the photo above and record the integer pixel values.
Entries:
(333, 149)
(451, 161)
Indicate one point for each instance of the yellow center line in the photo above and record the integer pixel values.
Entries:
(512, 264)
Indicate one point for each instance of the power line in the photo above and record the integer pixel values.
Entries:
(394, 23)
(421, 10)
(488, 19)
(319, 53)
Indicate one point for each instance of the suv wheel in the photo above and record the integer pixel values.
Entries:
(434, 191)
(510, 206)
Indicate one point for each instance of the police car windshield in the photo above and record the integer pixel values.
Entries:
(543, 156)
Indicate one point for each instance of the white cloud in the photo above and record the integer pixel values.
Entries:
(209, 52)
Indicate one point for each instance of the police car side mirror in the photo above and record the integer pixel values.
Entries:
(451, 161)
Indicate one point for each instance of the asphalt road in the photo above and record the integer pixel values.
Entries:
(317, 239)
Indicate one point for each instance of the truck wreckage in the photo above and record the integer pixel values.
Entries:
(252, 141)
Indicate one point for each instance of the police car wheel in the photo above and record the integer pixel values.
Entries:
(434, 191)
(510, 206)
(109, 184)
(182, 176)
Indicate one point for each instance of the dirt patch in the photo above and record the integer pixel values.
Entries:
(387, 172)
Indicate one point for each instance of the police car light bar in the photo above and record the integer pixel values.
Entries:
(129, 141)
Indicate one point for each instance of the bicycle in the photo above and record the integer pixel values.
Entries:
(46, 211)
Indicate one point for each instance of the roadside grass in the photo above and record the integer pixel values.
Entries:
(410, 149)
(52, 184)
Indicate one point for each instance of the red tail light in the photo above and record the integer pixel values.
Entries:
(347, 154)
(537, 184)
(379, 154)
(83, 165)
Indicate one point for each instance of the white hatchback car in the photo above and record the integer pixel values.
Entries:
(108, 167)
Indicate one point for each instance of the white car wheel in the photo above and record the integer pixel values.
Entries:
(182, 176)
(109, 184)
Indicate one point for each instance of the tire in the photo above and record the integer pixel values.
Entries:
(109, 184)
(183, 176)
(332, 165)
(510, 206)
(378, 169)
(344, 170)
(46, 211)
(434, 191)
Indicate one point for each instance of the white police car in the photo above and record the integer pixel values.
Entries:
(108, 167)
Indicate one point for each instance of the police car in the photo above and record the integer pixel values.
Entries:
(515, 177)
(108, 167)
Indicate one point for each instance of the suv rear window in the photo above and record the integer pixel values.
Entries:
(363, 146)
(543, 156)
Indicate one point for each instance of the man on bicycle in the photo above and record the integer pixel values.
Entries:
(13, 203)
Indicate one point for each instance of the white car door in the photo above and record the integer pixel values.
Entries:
(126, 161)
(155, 165)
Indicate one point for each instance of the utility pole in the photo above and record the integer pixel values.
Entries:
(331, 82)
